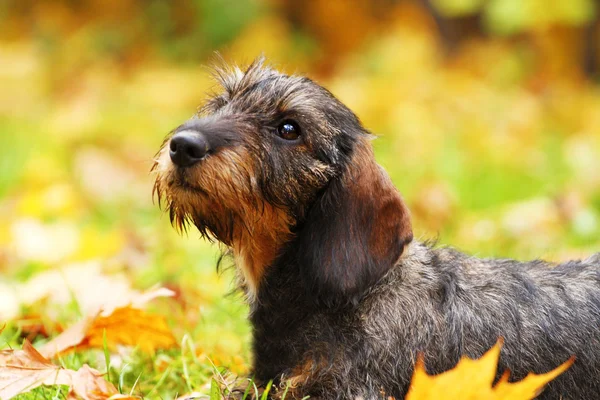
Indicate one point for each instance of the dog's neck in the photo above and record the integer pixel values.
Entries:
(256, 244)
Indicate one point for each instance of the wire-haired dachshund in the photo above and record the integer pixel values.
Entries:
(342, 299)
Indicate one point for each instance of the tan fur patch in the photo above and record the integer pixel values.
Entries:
(255, 250)
(295, 384)
(222, 186)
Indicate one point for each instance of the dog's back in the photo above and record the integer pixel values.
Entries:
(461, 305)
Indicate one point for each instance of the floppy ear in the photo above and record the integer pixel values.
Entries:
(354, 233)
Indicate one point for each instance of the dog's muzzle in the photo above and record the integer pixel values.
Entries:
(187, 147)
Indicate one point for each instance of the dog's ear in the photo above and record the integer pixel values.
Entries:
(354, 233)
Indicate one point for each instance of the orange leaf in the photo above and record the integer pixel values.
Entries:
(130, 326)
(473, 379)
(125, 326)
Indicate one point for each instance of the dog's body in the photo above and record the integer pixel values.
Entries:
(444, 304)
(342, 300)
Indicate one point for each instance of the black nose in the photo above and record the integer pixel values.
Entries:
(187, 148)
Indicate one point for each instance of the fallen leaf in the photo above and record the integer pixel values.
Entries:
(73, 336)
(32, 326)
(138, 300)
(89, 384)
(86, 284)
(133, 327)
(125, 326)
(473, 379)
(26, 369)
(23, 370)
(529, 387)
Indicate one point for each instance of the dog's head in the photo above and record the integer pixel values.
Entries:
(275, 164)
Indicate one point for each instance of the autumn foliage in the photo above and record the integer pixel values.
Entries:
(26, 369)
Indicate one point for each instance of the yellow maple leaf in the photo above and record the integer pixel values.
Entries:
(473, 379)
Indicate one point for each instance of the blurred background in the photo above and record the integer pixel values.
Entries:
(487, 111)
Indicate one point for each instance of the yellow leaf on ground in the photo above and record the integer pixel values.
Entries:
(473, 379)
(124, 326)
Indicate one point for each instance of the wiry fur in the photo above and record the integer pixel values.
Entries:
(342, 300)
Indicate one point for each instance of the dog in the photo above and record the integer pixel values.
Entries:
(342, 299)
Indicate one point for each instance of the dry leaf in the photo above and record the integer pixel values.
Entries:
(24, 370)
(125, 326)
(473, 379)
(68, 339)
(85, 283)
(89, 384)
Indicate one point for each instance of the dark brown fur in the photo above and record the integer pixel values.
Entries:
(342, 300)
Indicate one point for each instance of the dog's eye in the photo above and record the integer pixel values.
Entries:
(288, 130)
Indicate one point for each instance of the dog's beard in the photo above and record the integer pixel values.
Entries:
(188, 205)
